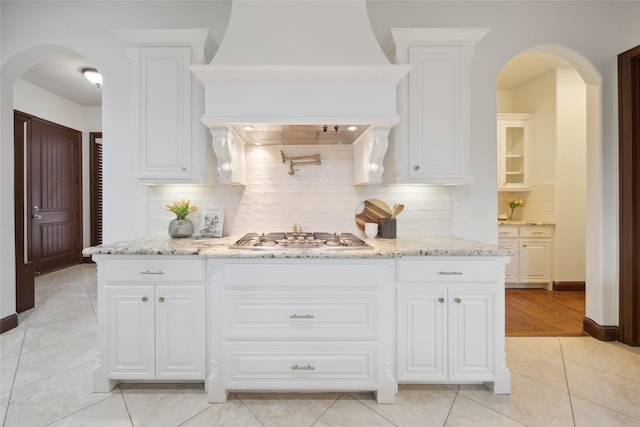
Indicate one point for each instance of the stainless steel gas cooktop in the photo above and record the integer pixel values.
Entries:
(301, 241)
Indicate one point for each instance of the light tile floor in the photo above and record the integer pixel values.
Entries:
(48, 359)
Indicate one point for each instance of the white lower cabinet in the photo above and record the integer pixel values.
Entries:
(532, 266)
(151, 324)
(451, 322)
(155, 332)
(302, 325)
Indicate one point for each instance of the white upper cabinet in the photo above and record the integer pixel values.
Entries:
(514, 148)
(431, 143)
(167, 104)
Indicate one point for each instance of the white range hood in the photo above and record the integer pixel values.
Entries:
(303, 63)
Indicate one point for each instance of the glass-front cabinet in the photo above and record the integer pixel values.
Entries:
(514, 140)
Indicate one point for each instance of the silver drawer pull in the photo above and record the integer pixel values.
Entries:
(159, 272)
(301, 316)
(297, 367)
(450, 273)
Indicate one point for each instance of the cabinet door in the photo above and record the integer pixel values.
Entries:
(471, 333)
(512, 270)
(514, 139)
(535, 260)
(180, 332)
(130, 332)
(164, 117)
(431, 142)
(422, 340)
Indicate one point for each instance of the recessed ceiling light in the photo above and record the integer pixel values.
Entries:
(352, 128)
(247, 127)
(93, 76)
(258, 143)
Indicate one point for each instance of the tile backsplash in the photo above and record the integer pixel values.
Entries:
(539, 203)
(317, 197)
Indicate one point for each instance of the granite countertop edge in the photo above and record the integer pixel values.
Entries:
(382, 248)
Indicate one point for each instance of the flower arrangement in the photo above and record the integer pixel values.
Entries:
(181, 208)
(513, 204)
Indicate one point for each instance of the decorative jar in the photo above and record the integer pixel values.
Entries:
(180, 228)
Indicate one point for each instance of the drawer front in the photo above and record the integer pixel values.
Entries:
(301, 365)
(311, 314)
(154, 270)
(529, 232)
(507, 232)
(420, 270)
(276, 274)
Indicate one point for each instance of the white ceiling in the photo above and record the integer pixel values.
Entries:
(525, 67)
(62, 75)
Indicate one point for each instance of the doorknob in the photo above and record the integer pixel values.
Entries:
(36, 216)
(36, 208)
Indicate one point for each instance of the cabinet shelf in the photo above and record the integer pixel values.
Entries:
(514, 140)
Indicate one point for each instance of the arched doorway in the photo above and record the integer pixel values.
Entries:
(598, 301)
(21, 84)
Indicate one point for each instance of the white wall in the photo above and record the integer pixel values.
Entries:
(38, 102)
(597, 30)
(571, 177)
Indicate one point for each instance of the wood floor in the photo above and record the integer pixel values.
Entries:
(542, 313)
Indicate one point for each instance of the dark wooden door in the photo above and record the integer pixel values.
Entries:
(53, 196)
(629, 161)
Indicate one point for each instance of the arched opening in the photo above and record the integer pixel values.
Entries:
(559, 90)
(46, 87)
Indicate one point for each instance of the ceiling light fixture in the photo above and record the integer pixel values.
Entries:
(352, 128)
(93, 76)
(247, 127)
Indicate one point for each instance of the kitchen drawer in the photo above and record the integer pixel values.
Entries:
(507, 232)
(436, 270)
(290, 273)
(153, 270)
(301, 365)
(301, 314)
(535, 232)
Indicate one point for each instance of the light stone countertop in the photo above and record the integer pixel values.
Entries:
(528, 222)
(382, 248)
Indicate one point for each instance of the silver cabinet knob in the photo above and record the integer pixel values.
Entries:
(457, 300)
(183, 167)
(440, 300)
(144, 299)
(161, 299)
(416, 167)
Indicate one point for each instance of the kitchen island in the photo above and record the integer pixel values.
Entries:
(407, 310)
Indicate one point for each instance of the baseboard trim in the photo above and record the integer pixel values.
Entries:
(8, 323)
(568, 286)
(599, 332)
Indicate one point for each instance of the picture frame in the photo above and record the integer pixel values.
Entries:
(211, 222)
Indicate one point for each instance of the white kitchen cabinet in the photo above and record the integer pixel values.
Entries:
(450, 322)
(508, 238)
(432, 141)
(167, 104)
(532, 267)
(514, 148)
(301, 325)
(155, 332)
(152, 320)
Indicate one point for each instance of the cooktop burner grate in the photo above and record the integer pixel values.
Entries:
(303, 241)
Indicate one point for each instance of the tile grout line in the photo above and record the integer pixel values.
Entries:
(325, 411)
(566, 378)
(15, 373)
(247, 407)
